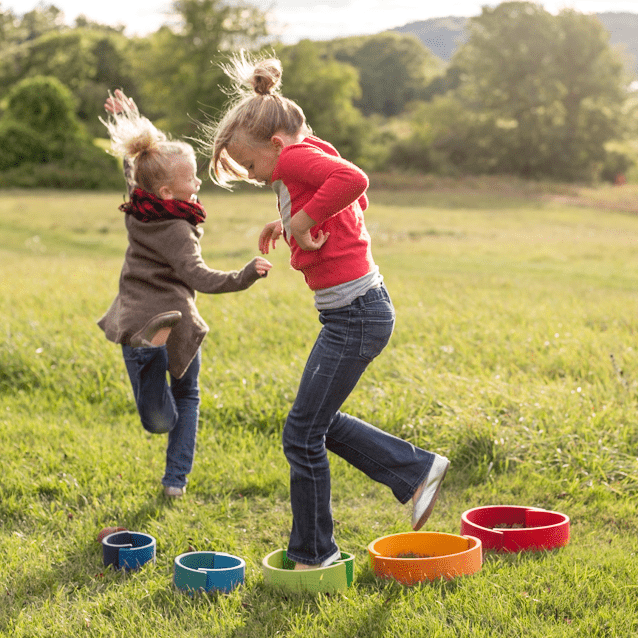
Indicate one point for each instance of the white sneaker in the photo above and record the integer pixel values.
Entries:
(332, 559)
(326, 563)
(427, 493)
(171, 491)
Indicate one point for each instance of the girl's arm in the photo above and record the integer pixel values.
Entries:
(128, 175)
(337, 182)
(182, 250)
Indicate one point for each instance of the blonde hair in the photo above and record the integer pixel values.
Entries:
(153, 154)
(256, 111)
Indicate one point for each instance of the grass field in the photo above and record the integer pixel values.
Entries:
(514, 354)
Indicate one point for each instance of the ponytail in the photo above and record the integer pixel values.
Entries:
(257, 111)
(152, 153)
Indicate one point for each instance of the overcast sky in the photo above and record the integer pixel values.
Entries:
(294, 20)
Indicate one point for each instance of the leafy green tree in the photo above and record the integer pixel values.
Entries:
(16, 32)
(546, 91)
(7, 27)
(435, 138)
(394, 69)
(177, 67)
(326, 90)
(89, 61)
(31, 25)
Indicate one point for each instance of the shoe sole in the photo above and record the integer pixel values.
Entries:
(424, 517)
(163, 322)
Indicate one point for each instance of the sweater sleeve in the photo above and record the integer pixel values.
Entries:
(185, 256)
(336, 182)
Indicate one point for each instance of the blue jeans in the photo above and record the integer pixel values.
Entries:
(163, 408)
(351, 337)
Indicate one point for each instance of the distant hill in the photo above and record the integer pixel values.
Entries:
(623, 28)
(443, 35)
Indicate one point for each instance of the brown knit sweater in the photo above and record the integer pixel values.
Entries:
(163, 268)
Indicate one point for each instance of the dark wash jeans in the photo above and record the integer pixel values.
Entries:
(163, 408)
(351, 337)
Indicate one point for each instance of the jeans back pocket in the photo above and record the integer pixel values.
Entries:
(376, 332)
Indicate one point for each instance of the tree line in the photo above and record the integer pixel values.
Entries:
(527, 93)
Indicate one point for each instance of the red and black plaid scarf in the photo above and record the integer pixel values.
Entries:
(145, 207)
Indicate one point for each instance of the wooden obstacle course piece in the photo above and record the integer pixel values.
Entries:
(279, 572)
(514, 528)
(412, 557)
(128, 550)
(208, 572)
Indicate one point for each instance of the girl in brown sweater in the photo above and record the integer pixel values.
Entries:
(154, 317)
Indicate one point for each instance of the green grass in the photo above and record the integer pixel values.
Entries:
(514, 354)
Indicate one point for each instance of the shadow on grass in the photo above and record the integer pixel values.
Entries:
(496, 559)
(82, 566)
(392, 590)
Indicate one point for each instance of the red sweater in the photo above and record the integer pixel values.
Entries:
(313, 176)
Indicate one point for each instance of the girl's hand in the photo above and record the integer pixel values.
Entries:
(270, 234)
(307, 242)
(119, 102)
(300, 226)
(262, 266)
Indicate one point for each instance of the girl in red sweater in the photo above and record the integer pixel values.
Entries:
(264, 139)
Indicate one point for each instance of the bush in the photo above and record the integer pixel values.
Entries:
(45, 105)
(436, 142)
(82, 167)
(45, 146)
(20, 144)
(616, 166)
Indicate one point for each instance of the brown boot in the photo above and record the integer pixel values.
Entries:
(156, 331)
